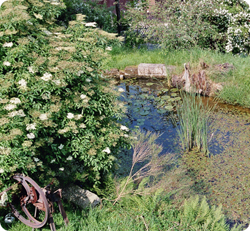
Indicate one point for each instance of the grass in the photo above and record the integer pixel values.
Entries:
(237, 81)
(154, 212)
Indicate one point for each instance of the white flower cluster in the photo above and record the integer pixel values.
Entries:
(15, 100)
(10, 44)
(30, 126)
(6, 63)
(22, 83)
(107, 150)
(90, 24)
(70, 115)
(61, 146)
(10, 107)
(43, 116)
(31, 70)
(238, 28)
(124, 128)
(46, 76)
(17, 113)
(31, 135)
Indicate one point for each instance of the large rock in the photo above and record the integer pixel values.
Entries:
(80, 197)
(152, 70)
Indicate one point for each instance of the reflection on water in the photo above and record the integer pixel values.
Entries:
(150, 107)
(143, 113)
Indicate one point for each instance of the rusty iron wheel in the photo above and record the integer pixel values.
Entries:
(33, 200)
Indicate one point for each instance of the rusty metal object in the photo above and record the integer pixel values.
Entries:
(38, 199)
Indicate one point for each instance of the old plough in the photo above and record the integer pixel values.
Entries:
(31, 199)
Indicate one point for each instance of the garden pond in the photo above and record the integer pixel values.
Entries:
(224, 176)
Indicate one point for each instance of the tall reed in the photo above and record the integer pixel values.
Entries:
(193, 118)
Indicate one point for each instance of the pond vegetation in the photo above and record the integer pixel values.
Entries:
(222, 177)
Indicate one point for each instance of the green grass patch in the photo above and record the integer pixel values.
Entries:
(236, 80)
(154, 212)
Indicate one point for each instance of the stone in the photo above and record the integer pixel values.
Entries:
(152, 70)
(80, 197)
(131, 71)
(112, 73)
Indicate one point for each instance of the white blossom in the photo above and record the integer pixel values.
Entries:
(31, 70)
(20, 113)
(1, 170)
(43, 116)
(82, 126)
(56, 82)
(61, 169)
(36, 159)
(10, 107)
(109, 49)
(15, 100)
(3, 199)
(91, 24)
(124, 128)
(80, 72)
(78, 117)
(6, 63)
(69, 158)
(121, 89)
(22, 82)
(61, 146)
(10, 44)
(30, 126)
(88, 80)
(31, 135)
(46, 76)
(82, 96)
(125, 135)
(70, 115)
(52, 161)
(17, 113)
(107, 150)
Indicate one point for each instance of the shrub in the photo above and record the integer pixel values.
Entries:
(58, 116)
(101, 14)
(215, 24)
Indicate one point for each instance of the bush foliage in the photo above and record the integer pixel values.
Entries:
(58, 116)
(95, 12)
(215, 24)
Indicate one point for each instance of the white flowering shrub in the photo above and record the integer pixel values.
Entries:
(57, 114)
(101, 14)
(215, 24)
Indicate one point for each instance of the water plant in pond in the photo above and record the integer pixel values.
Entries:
(193, 118)
(145, 154)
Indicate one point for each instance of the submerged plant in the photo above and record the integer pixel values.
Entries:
(193, 118)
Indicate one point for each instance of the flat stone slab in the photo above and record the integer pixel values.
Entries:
(152, 70)
(131, 71)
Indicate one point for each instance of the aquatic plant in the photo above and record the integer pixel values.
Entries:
(145, 152)
(193, 118)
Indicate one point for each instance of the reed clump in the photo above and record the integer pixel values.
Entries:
(193, 116)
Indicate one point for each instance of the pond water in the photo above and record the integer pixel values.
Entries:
(150, 106)
(224, 177)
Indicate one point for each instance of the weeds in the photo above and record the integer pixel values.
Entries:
(145, 152)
